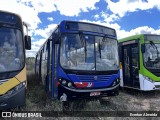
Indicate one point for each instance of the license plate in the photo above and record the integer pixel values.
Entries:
(95, 93)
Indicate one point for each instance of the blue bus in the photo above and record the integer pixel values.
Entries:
(79, 60)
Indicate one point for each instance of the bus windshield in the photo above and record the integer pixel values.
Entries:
(88, 52)
(11, 50)
(152, 56)
(152, 52)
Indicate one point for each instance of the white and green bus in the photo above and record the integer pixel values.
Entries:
(140, 62)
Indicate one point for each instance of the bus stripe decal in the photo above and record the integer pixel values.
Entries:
(8, 85)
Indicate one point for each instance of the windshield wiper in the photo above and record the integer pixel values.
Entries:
(100, 46)
(103, 40)
(83, 42)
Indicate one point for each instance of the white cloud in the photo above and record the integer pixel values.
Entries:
(45, 33)
(27, 13)
(96, 17)
(74, 7)
(30, 53)
(30, 9)
(66, 7)
(40, 5)
(36, 44)
(50, 18)
(124, 6)
(109, 18)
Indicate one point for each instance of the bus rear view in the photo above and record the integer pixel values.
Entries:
(12, 61)
(84, 59)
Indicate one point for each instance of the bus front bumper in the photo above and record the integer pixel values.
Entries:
(17, 98)
(86, 93)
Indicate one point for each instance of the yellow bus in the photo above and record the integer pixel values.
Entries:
(13, 43)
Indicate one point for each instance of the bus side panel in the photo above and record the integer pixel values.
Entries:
(54, 69)
(37, 65)
(48, 66)
(44, 64)
(40, 68)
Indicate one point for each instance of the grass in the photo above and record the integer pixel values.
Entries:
(37, 100)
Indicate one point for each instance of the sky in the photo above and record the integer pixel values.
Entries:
(127, 17)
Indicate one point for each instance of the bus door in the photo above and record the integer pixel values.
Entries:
(51, 82)
(54, 70)
(131, 65)
(49, 68)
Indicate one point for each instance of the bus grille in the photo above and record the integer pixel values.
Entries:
(94, 77)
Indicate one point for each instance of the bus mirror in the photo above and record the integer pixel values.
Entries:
(27, 42)
(143, 48)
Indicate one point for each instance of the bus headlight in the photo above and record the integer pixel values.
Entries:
(15, 89)
(20, 86)
(114, 83)
(118, 80)
(64, 82)
(147, 78)
(60, 79)
(69, 84)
